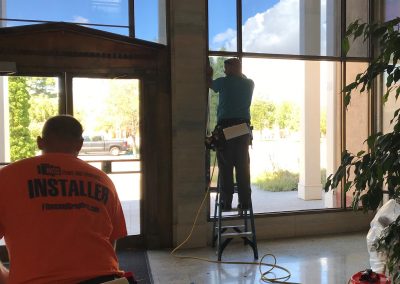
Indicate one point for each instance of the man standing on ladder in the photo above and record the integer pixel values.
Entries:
(235, 93)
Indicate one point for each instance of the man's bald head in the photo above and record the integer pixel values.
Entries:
(61, 134)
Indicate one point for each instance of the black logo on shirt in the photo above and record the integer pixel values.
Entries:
(48, 170)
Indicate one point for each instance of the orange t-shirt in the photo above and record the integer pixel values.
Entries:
(59, 217)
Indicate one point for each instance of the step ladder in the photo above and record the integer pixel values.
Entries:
(222, 234)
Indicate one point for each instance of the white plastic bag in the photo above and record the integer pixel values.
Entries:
(387, 214)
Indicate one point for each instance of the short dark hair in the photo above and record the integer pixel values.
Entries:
(63, 127)
(232, 61)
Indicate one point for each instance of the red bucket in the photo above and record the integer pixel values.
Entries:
(379, 278)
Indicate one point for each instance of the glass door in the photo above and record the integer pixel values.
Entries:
(109, 112)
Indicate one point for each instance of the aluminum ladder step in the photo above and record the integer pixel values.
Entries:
(236, 235)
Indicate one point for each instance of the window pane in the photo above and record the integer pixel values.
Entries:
(277, 161)
(109, 12)
(388, 108)
(357, 10)
(111, 129)
(356, 117)
(392, 9)
(27, 102)
(222, 28)
(330, 28)
(150, 20)
(291, 27)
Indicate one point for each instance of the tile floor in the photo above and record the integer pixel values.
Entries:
(316, 260)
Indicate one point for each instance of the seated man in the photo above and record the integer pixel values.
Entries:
(60, 217)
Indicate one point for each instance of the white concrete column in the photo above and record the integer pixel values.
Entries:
(332, 129)
(310, 27)
(309, 186)
(333, 44)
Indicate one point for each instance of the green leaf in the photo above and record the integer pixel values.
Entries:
(359, 30)
(371, 141)
(347, 99)
(359, 154)
(328, 184)
(390, 68)
(396, 128)
(396, 75)
(386, 96)
(351, 28)
(350, 87)
(345, 45)
(347, 186)
(389, 80)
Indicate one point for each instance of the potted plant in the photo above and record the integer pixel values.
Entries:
(370, 174)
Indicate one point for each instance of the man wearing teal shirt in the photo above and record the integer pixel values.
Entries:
(235, 94)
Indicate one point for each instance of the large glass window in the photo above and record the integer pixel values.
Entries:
(222, 28)
(150, 20)
(107, 15)
(388, 109)
(357, 117)
(391, 9)
(107, 12)
(357, 10)
(278, 108)
(292, 95)
(290, 27)
(27, 102)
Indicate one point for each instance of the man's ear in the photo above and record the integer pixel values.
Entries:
(79, 144)
(39, 142)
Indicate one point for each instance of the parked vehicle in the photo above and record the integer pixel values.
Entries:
(99, 145)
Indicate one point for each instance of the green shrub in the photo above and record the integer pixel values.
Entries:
(281, 180)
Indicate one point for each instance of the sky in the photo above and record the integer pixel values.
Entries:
(222, 16)
(269, 26)
(111, 12)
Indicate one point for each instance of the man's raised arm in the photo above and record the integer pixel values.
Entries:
(209, 74)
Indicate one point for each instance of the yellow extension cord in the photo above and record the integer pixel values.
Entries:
(264, 275)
